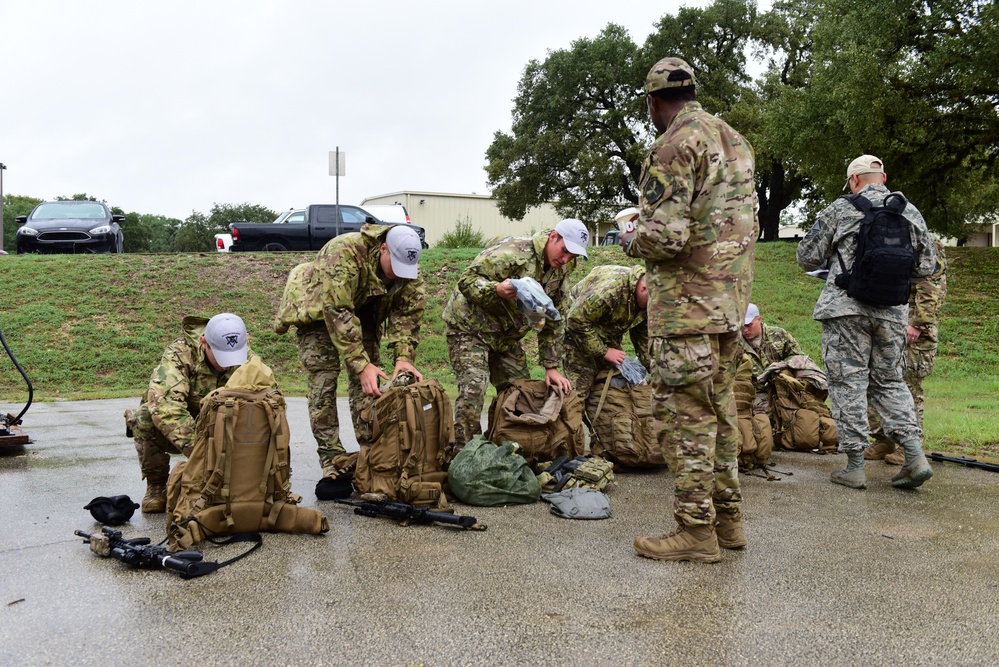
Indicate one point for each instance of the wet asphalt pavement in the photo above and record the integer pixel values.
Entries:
(831, 576)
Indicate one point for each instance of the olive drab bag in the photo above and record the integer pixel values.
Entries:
(621, 417)
(756, 438)
(238, 476)
(802, 420)
(544, 422)
(411, 426)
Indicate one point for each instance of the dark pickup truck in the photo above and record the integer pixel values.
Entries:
(310, 231)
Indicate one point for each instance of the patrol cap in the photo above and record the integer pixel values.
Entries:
(226, 336)
(112, 511)
(751, 313)
(865, 164)
(404, 249)
(670, 73)
(575, 235)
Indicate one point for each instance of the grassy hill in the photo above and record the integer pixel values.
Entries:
(95, 326)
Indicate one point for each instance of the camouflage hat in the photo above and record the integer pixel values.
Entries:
(112, 511)
(670, 73)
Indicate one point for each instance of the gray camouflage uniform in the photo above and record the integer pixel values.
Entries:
(863, 345)
(484, 330)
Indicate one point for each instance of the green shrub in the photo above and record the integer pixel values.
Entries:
(462, 236)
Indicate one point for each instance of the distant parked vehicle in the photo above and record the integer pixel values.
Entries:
(396, 213)
(222, 242)
(610, 238)
(70, 227)
(307, 229)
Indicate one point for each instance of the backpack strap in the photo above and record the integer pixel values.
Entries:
(862, 204)
(603, 394)
(223, 428)
(231, 415)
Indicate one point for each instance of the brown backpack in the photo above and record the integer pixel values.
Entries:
(756, 438)
(411, 428)
(621, 417)
(544, 422)
(238, 476)
(803, 420)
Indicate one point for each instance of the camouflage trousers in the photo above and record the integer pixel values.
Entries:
(581, 370)
(476, 365)
(863, 357)
(321, 361)
(693, 381)
(152, 446)
(918, 365)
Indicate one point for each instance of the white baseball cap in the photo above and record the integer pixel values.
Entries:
(404, 249)
(575, 235)
(751, 313)
(226, 336)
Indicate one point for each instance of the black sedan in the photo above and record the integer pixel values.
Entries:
(70, 227)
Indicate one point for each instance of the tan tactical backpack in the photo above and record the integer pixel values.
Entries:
(544, 422)
(803, 420)
(756, 438)
(411, 426)
(625, 430)
(238, 476)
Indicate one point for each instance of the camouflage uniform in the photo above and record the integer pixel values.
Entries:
(925, 302)
(164, 422)
(697, 230)
(484, 330)
(599, 310)
(343, 307)
(773, 344)
(862, 345)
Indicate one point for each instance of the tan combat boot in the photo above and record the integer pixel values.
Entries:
(896, 458)
(697, 543)
(728, 529)
(154, 502)
(879, 450)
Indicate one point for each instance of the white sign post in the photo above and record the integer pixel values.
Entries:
(338, 168)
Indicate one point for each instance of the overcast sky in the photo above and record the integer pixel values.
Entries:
(166, 108)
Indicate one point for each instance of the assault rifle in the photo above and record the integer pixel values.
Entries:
(409, 514)
(138, 553)
(965, 461)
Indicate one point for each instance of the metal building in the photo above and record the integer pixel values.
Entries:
(437, 213)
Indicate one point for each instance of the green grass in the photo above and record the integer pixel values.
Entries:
(95, 326)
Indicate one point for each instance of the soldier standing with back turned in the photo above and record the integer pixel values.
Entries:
(697, 230)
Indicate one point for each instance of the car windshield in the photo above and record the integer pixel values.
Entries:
(69, 210)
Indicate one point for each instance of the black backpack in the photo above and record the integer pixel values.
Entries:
(884, 261)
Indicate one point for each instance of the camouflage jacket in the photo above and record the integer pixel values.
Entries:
(836, 228)
(178, 384)
(476, 308)
(775, 344)
(601, 307)
(346, 288)
(697, 226)
(926, 300)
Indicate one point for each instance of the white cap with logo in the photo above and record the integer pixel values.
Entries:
(226, 336)
(404, 249)
(575, 235)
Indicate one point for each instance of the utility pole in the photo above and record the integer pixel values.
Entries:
(338, 168)
(2, 167)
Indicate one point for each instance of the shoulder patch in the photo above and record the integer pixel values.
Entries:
(656, 190)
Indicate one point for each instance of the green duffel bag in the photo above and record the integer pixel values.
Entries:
(489, 475)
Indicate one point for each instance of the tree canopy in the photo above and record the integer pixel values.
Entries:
(912, 82)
